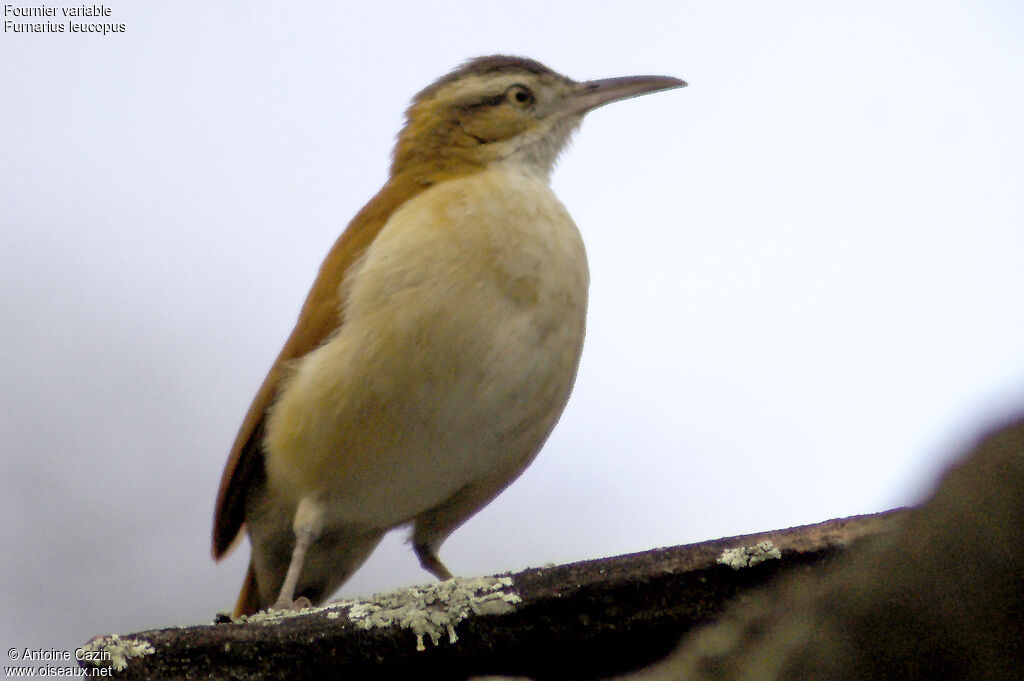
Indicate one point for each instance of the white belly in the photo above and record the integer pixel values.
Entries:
(463, 327)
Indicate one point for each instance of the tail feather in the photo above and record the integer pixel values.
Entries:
(249, 597)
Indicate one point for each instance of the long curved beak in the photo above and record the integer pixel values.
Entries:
(594, 93)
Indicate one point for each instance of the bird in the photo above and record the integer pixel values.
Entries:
(437, 347)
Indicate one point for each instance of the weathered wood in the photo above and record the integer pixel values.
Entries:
(939, 597)
(577, 621)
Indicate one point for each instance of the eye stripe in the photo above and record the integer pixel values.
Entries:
(489, 100)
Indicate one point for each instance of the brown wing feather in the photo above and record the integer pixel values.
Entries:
(320, 316)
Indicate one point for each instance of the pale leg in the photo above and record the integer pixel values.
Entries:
(309, 521)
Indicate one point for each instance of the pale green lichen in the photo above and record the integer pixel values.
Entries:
(435, 609)
(746, 556)
(432, 610)
(115, 652)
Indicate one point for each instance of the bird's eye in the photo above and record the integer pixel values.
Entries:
(520, 95)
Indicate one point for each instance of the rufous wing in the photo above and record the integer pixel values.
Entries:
(319, 318)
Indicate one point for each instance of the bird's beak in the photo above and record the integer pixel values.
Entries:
(594, 93)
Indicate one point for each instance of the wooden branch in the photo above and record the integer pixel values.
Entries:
(577, 621)
(941, 596)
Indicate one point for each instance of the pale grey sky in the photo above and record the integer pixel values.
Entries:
(807, 271)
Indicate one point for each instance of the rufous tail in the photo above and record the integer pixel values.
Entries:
(249, 597)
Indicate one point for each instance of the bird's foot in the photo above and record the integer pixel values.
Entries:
(290, 605)
(430, 562)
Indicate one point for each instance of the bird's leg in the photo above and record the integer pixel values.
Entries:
(309, 521)
(429, 560)
(431, 528)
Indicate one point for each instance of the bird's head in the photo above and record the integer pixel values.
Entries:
(501, 108)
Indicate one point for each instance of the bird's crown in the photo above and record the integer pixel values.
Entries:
(502, 109)
(489, 109)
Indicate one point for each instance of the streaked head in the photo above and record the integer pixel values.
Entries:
(504, 108)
